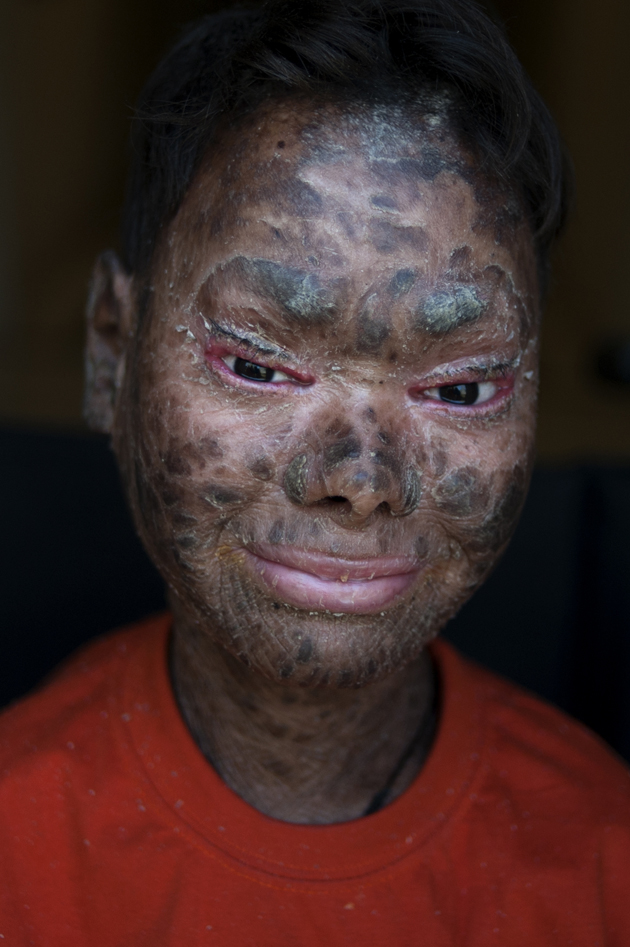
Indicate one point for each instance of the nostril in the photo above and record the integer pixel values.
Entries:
(337, 503)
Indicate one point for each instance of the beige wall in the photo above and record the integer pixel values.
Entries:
(69, 72)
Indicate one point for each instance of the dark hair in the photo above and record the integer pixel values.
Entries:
(227, 64)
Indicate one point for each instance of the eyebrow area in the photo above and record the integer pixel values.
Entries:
(443, 312)
(253, 345)
(299, 294)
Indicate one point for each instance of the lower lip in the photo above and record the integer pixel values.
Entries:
(353, 596)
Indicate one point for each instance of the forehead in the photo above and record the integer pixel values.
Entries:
(347, 193)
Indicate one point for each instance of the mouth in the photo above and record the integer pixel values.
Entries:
(326, 583)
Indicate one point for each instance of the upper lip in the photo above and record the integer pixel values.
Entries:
(332, 567)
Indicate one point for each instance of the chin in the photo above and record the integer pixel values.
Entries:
(297, 647)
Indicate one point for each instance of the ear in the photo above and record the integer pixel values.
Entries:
(110, 323)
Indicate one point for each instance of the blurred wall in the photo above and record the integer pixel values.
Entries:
(70, 71)
(577, 53)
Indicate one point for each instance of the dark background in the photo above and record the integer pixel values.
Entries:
(555, 615)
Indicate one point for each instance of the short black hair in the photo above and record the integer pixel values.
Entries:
(226, 64)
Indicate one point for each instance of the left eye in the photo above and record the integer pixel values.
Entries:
(252, 371)
(466, 394)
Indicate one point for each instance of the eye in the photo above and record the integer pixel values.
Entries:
(469, 393)
(252, 371)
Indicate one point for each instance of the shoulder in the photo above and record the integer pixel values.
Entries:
(534, 752)
(74, 706)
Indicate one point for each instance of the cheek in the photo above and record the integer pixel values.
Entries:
(211, 485)
(191, 463)
(476, 504)
(187, 476)
(463, 492)
(198, 473)
(477, 513)
(502, 515)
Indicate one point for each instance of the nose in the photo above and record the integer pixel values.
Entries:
(352, 477)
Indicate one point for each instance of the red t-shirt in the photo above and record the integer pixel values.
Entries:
(114, 830)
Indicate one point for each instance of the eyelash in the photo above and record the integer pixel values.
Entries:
(264, 368)
(495, 392)
(219, 356)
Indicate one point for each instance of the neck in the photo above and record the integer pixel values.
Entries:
(310, 756)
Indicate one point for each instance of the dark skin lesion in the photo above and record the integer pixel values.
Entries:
(372, 333)
(276, 533)
(412, 493)
(262, 469)
(302, 711)
(386, 456)
(294, 196)
(388, 238)
(401, 283)
(346, 448)
(176, 464)
(460, 258)
(383, 202)
(299, 293)
(209, 448)
(506, 217)
(295, 479)
(306, 652)
(462, 492)
(499, 522)
(431, 163)
(187, 541)
(219, 496)
(380, 481)
(450, 309)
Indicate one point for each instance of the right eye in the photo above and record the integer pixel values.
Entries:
(467, 393)
(252, 371)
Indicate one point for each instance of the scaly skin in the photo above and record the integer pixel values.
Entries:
(366, 257)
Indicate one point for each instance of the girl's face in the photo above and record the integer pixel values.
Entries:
(326, 421)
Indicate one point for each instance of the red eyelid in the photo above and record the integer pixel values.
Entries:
(504, 383)
(216, 351)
